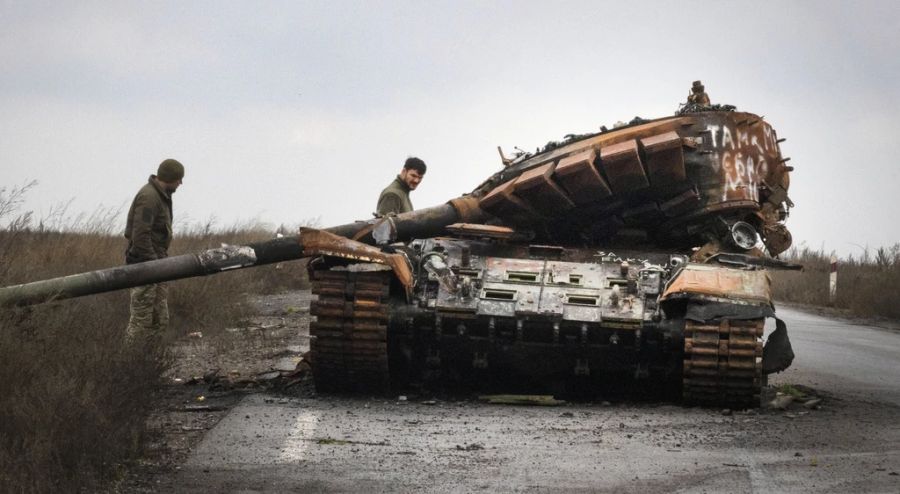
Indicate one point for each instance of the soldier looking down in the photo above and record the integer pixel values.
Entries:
(395, 197)
(149, 233)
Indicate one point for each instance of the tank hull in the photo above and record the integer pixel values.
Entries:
(528, 318)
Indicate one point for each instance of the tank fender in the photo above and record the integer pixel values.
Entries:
(706, 281)
(321, 243)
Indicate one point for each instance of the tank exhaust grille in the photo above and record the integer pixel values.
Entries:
(522, 276)
(491, 294)
(582, 300)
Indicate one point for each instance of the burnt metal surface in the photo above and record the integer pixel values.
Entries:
(715, 282)
(421, 223)
(675, 178)
(665, 158)
(485, 314)
(349, 346)
(623, 167)
(322, 243)
(532, 314)
(481, 231)
(723, 362)
(537, 186)
(580, 177)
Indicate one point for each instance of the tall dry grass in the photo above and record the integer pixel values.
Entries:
(74, 395)
(867, 285)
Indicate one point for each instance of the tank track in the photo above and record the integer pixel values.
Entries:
(723, 362)
(349, 345)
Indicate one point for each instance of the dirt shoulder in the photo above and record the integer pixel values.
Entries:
(210, 374)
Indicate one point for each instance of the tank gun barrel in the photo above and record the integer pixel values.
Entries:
(170, 268)
(423, 222)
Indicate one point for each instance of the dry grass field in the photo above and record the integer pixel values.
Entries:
(867, 285)
(74, 396)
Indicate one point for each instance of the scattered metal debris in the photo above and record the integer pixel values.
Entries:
(470, 447)
(533, 400)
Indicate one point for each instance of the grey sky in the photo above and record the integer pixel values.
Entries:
(285, 112)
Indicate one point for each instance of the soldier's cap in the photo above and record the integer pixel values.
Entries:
(698, 86)
(170, 171)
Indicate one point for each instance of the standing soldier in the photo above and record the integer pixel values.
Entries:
(395, 197)
(149, 234)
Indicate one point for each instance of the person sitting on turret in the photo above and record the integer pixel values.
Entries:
(395, 197)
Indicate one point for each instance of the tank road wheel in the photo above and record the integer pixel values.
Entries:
(349, 344)
(723, 362)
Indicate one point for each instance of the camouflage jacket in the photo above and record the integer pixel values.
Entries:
(149, 225)
(394, 198)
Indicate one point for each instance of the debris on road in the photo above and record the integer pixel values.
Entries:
(287, 364)
(781, 402)
(470, 447)
(812, 403)
(535, 400)
(268, 376)
(343, 442)
(795, 400)
(201, 408)
(329, 440)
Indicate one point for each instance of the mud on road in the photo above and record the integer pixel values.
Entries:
(260, 441)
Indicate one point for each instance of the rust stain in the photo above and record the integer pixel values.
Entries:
(477, 230)
(467, 209)
(319, 242)
(694, 167)
(713, 281)
(580, 177)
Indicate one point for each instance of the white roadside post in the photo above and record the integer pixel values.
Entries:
(832, 284)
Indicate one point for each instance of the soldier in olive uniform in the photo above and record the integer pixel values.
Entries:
(395, 197)
(149, 234)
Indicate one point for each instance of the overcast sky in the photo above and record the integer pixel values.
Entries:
(287, 112)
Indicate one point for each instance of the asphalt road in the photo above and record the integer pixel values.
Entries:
(850, 444)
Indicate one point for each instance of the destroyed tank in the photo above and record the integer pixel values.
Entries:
(636, 256)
